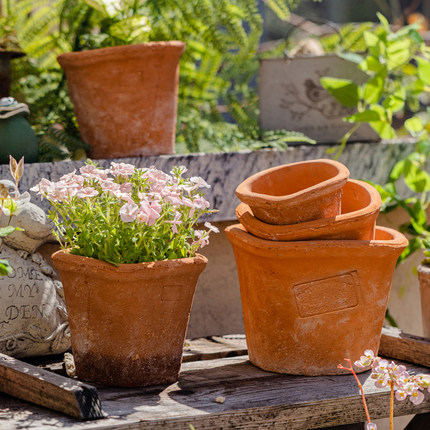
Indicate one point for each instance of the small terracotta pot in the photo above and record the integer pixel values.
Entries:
(296, 192)
(360, 205)
(424, 278)
(308, 305)
(125, 97)
(128, 323)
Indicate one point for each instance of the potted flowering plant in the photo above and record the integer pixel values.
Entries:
(129, 267)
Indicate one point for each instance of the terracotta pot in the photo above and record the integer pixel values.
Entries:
(360, 205)
(424, 278)
(296, 192)
(307, 305)
(128, 323)
(125, 97)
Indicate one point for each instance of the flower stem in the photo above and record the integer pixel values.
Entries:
(392, 407)
(359, 386)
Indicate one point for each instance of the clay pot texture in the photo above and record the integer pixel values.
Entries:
(128, 323)
(424, 278)
(307, 305)
(125, 97)
(360, 206)
(296, 192)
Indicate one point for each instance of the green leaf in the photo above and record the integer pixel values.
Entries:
(423, 70)
(384, 22)
(343, 90)
(365, 116)
(398, 54)
(397, 170)
(6, 231)
(395, 101)
(373, 89)
(414, 126)
(371, 39)
(371, 64)
(384, 129)
(5, 268)
(416, 179)
(351, 56)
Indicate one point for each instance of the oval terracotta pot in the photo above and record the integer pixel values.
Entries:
(296, 192)
(128, 323)
(125, 97)
(360, 206)
(424, 278)
(308, 305)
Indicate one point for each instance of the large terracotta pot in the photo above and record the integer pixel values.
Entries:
(360, 205)
(308, 305)
(424, 278)
(128, 323)
(296, 192)
(125, 97)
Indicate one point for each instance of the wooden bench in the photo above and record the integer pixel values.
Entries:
(220, 389)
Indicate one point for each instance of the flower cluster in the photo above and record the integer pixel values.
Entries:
(127, 215)
(390, 374)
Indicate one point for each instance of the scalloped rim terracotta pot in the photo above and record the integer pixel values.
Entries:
(307, 305)
(295, 192)
(360, 206)
(128, 323)
(125, 97)
(424, 279)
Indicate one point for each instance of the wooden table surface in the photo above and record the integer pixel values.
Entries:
(253, 399)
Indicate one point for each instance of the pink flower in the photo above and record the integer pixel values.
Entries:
(371, 426)
(416, 396)
(365, 360)
(87, 192)
(401, 394)
(126, 187)
(149, 213)
(175, 222)
(200, 182)
(89, 171)
(122, 169)
(128, 212)
(211, 227)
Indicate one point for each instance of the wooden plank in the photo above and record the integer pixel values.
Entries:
(403, 346)
(253, 399)
(30, 383)
(213, 347)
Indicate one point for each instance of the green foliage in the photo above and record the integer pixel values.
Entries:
(216, 69)
(398, 69)
(412, 172)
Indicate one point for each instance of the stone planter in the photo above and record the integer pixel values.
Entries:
(296, 192)
(360, 205)
(128, 323)
(125, 97)
(291, 97)
(309, 304)
(424, 278)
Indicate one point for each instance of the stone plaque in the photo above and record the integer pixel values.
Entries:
(33, 317)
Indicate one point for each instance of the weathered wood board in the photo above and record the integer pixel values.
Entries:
(403, 346)
(27, 382)
(253, 398)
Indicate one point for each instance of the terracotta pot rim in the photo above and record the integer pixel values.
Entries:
(245, 194)
(105, 54)
(266, 247)
(64, 258)
(281, 232)
(423, 268)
